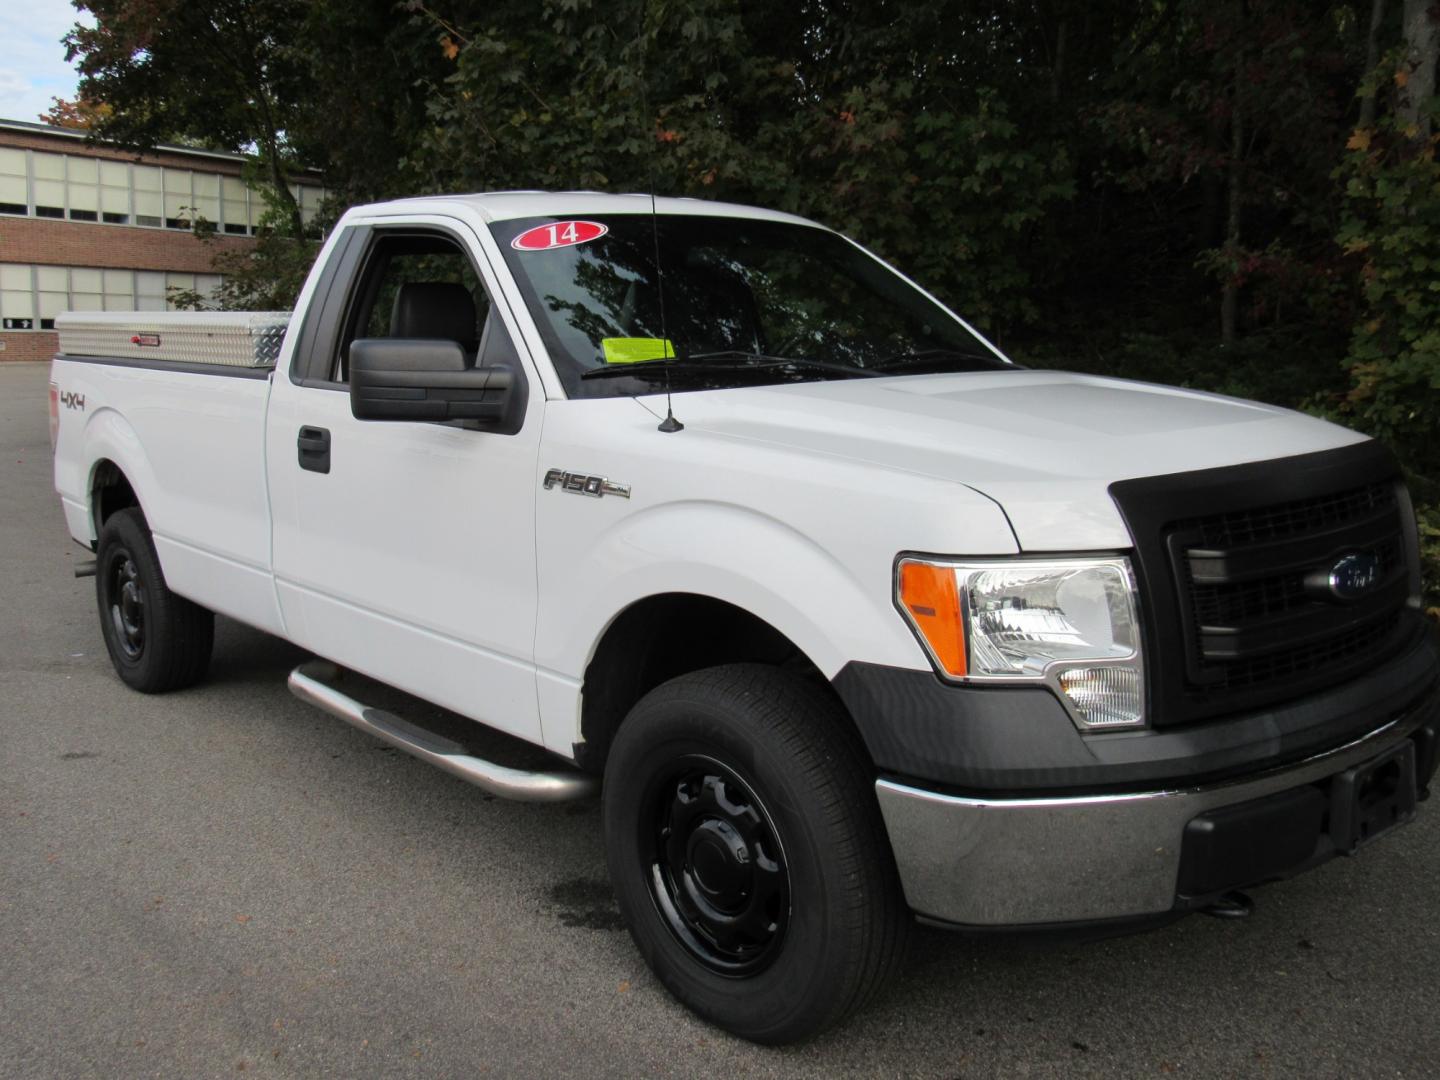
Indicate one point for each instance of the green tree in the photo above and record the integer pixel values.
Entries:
(1392, 228)
(219, 73)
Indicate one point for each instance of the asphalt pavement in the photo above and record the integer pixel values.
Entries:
(225, 881)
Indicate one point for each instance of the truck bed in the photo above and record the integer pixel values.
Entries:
(180, 397)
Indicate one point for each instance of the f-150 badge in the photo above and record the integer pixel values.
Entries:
(579, 484)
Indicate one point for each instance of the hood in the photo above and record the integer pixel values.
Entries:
(1045, 445)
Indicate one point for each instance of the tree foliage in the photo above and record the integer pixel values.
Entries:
(78, 115)
(1391, 227)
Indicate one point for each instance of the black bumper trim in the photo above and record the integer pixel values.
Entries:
(1018, 740)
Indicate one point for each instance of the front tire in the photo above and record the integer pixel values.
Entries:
(157, 641)
(748, 854)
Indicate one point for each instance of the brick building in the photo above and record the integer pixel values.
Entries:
(94, 228)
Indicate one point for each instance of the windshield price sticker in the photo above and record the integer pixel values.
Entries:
(560, 234)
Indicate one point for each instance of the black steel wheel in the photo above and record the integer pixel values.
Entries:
(157, 640)
(717, 868)
(748, 854)
(127, 603)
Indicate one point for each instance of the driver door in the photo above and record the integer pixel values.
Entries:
(406, 550)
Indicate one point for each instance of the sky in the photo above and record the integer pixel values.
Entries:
(32, 60)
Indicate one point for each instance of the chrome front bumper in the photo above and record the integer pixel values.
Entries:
(1014, 862)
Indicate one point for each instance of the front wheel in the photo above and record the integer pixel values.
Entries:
(748, 854)
(157, 640)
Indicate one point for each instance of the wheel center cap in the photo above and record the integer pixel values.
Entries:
(130, 602)
(719, 861)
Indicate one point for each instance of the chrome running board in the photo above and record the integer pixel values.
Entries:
(310, 682)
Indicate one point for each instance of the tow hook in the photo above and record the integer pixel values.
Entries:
(1233, 905)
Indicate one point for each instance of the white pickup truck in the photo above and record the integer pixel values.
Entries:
(856, 620)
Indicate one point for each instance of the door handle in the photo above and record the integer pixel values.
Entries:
(313, 447)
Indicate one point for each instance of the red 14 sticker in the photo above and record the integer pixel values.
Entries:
(560, 234)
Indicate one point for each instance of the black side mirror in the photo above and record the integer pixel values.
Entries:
(421, 379)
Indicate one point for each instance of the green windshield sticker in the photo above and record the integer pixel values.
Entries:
(635, 350)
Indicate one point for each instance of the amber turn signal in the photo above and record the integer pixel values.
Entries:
(932, 604)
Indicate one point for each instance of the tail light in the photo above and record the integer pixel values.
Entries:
(54, 415)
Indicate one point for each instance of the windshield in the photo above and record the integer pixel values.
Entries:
(745, 302)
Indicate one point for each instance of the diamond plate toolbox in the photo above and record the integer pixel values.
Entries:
(249, 339)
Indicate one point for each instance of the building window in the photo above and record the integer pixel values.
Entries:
(179, 198)
(119, 288)
(207, 286)
(49, 184)
(206, 204)
(87, 292)
(115, 192)
(149, 290)
(236, 205)
(52, 284)
(14, 182)
(177, 283)
(310, 198)
(17, 301)
(82, 188)
(149, 197)
(257, 210)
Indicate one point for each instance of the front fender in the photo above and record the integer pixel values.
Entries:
(731, 553)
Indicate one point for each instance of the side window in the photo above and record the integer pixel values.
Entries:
(418, 285)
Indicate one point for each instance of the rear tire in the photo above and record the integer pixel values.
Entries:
(157, 641)
(748, 854)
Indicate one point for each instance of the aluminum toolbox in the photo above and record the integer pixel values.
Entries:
(248, 339)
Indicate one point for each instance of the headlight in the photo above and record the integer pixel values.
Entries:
(1068, 623)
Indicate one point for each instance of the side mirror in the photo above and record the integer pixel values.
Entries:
(420, 379)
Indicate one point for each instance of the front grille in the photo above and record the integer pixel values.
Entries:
(1240, 527)
(1245, 601)
(1234, 567)
(1274, 667)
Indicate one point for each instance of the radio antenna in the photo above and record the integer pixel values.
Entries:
(669, 425)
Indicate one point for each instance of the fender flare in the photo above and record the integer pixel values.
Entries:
(731, 553)
(108, 436)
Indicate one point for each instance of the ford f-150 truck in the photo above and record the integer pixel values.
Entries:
(849, 619)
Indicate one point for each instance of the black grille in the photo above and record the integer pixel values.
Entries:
(1234, 568)
(1258, 670)
(1241, 527)
(1245, 601)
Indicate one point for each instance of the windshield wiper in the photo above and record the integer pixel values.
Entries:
(723, 360)
(914, 358)
(766, 361)
(655, 368)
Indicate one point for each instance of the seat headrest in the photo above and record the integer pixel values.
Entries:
(434, 309)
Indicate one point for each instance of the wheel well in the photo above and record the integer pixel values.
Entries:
(661, 637)
(110, 491)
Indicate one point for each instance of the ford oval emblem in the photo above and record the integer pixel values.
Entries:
(1355, 574)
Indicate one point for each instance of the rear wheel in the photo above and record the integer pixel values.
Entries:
(157, 640)
(748, 855)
